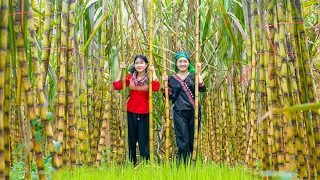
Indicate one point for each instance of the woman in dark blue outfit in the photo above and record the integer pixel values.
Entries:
(181, 91)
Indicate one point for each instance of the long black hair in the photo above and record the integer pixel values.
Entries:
(144, 58)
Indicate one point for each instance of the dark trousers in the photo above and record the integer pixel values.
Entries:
(138, 130)
(184, 130)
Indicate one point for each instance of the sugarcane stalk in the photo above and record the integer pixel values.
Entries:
(297, 118)
(70, 85)
(165, 87)
(61, 111)
(3, 53)
(150, 84)
(27, 87)
(46, 40)
(105, 119)
(196, 96)
(122, 150)
(8, 136)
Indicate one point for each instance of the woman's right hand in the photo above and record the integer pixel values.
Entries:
(122, 65)
(164, 77)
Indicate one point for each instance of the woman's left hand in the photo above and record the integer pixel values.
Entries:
(151, 67)
(199, 67)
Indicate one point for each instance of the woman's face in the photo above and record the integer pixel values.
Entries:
(182, 64)
(140, 65)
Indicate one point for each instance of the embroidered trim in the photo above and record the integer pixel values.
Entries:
(185, 88)
(141, 82)
(139, 88)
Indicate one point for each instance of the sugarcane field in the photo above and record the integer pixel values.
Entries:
(159, 89)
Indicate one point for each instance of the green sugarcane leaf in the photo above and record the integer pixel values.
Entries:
(301, 107)
(57, 145)
(206, 26)
(37, 135)
(47, 159)
(49, 115)
(19, 147)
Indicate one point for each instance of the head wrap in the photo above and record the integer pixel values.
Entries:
(179, 55)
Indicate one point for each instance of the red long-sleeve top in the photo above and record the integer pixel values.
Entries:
(139, 95)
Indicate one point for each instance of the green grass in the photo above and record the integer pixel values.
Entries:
(197, 171)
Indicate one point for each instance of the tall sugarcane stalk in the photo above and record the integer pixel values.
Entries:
(223, 123)
(227, 122)
(247, 15)
(151, 145)
(114, 124)
(196, 96)
(285, 88)
(77, 109)
(105, 119)
(211, 127)
(232, 125)
(270, 84)
(278, 119)
(58, 35)
(236, 124)
(26, 84)
(8, 153)
(70, 84)
(46, 40)
(219, 103)
(89, 95)
(37, 69)
(309, 85)
(250, 158)
(303, 93)
(122, 150)
(95, 109)
(265, 153)
(165, 86)
(104, 111)
(4, 168)
(61, 111)
(243, 125)
(297, 118)
(83, 139)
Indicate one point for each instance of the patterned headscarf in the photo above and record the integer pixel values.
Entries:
(178, 55)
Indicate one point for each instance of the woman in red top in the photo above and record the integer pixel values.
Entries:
(138, 105)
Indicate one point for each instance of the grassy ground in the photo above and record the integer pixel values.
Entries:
(196, 171)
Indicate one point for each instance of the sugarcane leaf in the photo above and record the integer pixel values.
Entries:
(49, 115)
(91, 2)
(20, 146)
(298, 107)
(228, 27)
(206, 25)
(57, 144)
(91, 11)
(239, 3)
(301, 107)
(47, 159)
(238, 24)
(37, 135)
(39, 128)
(34, 122)
(97, 17)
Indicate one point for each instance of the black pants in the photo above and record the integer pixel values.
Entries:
(184, 130)
(138, 130)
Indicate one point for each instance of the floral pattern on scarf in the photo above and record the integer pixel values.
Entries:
(141, 82)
